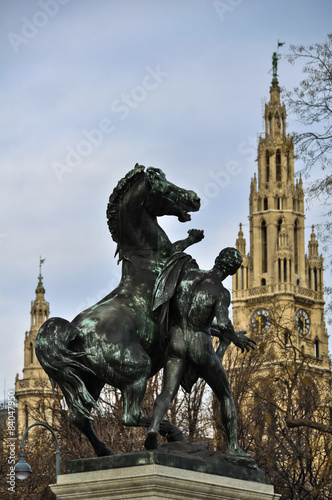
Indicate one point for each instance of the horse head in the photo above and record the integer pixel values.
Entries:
(165, 198)
(138, 199)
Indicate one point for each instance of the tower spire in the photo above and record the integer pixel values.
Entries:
(34, 386)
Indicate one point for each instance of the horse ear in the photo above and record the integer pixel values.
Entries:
(139, 167)
(156, 171)
(153, 173)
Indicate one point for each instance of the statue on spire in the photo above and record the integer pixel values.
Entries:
(275, 70)
(40, 286)
(41, 261)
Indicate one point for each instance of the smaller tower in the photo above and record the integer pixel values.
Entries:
(33, 392)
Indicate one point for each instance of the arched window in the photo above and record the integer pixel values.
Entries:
(315, 279)
(279, 270)
(31, 353)
(270, 120)
(266, 204)
(26, 415)
(278, 124)
(287, 338)
(279, 203)
(288, 166)
(278, 231)
(267, 166)
(296, 245)
(263, 282)
(283, 121)
(242, 278)
(316, 348)
(264, 246)
(309, 273)
(278, 166)
(285, 270)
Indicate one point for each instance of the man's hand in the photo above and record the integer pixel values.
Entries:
(196, 235)
(243, 342)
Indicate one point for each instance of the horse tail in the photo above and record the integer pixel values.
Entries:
(63, 365)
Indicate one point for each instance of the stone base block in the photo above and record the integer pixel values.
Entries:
(179, 470)
(152, 482)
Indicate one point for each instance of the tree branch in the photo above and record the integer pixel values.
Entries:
(304, 422)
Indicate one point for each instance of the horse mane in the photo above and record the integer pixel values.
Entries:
(112, 212)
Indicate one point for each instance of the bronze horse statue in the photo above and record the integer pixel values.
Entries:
(116, 341)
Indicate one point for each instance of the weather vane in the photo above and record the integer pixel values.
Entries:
(280, 44)
(41, 261)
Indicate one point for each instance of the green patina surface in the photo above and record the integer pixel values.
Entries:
(186, 456)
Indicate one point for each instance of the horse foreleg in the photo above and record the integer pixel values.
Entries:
(84, 425)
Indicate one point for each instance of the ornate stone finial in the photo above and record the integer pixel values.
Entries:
(313, 244)
(300, 180)
(40, 286)
(241, 242)
(275, 82)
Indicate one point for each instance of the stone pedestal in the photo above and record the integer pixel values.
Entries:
(173, 471)
(157, 482)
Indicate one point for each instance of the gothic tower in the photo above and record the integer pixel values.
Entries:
(277, 275)
(33, 392)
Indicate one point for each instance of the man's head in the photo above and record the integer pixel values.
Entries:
(228, 262)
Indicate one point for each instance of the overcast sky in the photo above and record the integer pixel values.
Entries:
(89, 88)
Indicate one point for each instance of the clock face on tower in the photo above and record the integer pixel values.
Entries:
(302, 321)
(260, 321)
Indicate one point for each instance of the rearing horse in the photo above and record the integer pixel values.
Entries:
(116, 341)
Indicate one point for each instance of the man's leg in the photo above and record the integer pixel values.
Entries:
(173, 372)
(215, 375)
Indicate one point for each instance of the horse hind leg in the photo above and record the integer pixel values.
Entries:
(132, 395)
(138, 371)
(84, 425)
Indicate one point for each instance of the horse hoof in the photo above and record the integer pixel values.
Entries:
(105, 452)
(151, 441)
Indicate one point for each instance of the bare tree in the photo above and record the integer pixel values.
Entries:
(311, 101)
(277, 390)
(190, 412)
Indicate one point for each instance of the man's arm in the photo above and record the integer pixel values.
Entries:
(224, 329)
(194, 236)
